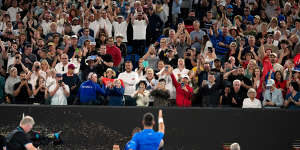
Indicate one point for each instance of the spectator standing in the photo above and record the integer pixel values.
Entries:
(183, 90)
(160, 94)
(40, 91)
(176, 10)
(180, 71)
(120, 27)
(89, 91)
(62, 66)
(115, 93)
(73, 81)
(210, 89)
(154, 28)
(238, 94)
(59, 91)
(10, 82)
(85, 36)
(114, 51)
(22, 90)
(139, 24)
(196, 36)
(141, 95)
(28, 58)
(130, 79)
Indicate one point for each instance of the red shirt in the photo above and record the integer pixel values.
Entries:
(115, 53)
(183, 98)
(281, 85)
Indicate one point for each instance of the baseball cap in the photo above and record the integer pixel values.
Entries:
(186, 76)
(74, 36)
(229, 7)
(270, 82)
(274, 54)
(58, 75)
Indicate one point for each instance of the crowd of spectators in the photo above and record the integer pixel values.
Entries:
(210, 53)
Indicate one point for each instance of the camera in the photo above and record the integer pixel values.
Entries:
(23, 79)
(17, 57)
(188, 54)
(39, 139)
(166, 67)
(37, 67)
(60, 82)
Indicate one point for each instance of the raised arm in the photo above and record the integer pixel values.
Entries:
(161, 125)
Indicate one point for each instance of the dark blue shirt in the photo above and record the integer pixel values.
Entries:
(220, 38)
(295, 98)
(147, 139)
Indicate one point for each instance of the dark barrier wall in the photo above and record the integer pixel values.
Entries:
(94, 128)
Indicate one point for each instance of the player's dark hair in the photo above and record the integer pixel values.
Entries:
(148, 119)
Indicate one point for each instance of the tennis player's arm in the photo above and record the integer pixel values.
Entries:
(161, 125)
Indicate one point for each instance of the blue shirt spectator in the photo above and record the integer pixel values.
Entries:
(292, 99)
(89, 90)
(85, 36)
(221, 41)
(115, 93)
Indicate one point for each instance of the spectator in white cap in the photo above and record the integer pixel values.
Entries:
(251, 101)
(120, 27)
(272, 96)
(183, 90)
(275, 64)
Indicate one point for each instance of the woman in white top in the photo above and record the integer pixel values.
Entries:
(11, 81)
(251, 102)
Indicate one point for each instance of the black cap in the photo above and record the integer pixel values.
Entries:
(217, 60)
(297, 20)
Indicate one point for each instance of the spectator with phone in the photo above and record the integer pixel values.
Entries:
(210, 89)
(141, 95)
(59, 91)
(151, 58)
(40, 91)
(183, 91)
(12, 79)
(272, 96)
(28, 58)
(292, 99)
(22, 90)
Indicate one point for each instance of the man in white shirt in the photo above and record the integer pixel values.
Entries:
(12, 11)
(105, 22)
(46, 23)
(130, 79)
(62, 66)
(139, 24)
(94, 25)
(120, 27)
(59, 91)
(180, 71)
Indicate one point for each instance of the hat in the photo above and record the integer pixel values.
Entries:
(75, 18)
(257, 17)
(274, 54)
(74, 36)
(229, 7)
(90, 58)
(186, 76)
(297, 20)
(58, 75)
(270, 82)
(140, 13)
(120, 16)
(51, 44)
(278, 8)
(71, 66)
(296, 69)
(119, 36)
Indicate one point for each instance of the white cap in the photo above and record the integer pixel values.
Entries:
(74, 36)
(186, 76)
